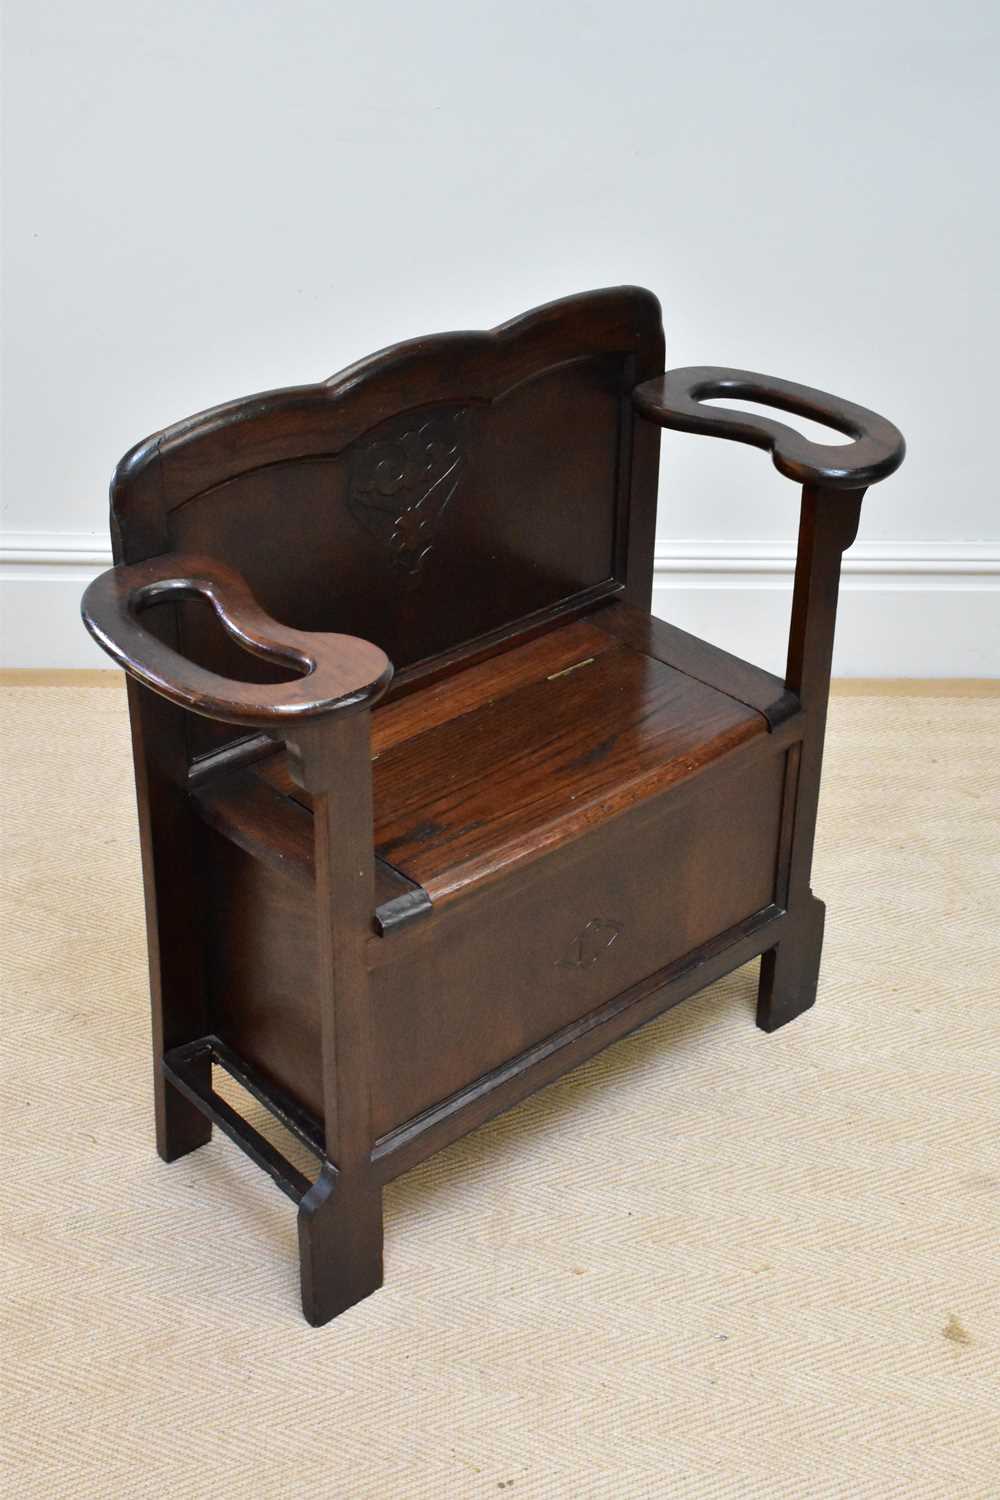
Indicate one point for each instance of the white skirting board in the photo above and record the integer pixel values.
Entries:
(908, 609)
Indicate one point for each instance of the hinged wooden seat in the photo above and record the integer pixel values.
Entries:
(432, 807)
(508, 759)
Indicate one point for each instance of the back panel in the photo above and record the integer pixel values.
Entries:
(445, 490)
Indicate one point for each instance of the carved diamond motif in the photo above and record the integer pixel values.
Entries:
(593, 942)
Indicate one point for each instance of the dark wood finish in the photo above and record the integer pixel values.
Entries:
(340, 1218)
(627, 901)
(700, 660)
(389, 920)
(277, 828)
(171, 849)
(261, 971)
(677, 400)
(543, 766)
(561, 649)
(188, 1069)
(506, 457)
(537, 765)
(523, 1075)
(835, 478)
(533, 954)
(790, 972)
(335, 671)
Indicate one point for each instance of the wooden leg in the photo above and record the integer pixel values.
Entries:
(828, 524)
(789, 973)
(340, 1245)
(180, 1128)
(172, 862)
(340, 1218)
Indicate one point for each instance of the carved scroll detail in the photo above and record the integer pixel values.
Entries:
(402, 485)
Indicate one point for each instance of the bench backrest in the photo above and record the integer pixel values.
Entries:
(439, 496)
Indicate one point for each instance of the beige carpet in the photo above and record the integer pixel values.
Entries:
(711, 1263)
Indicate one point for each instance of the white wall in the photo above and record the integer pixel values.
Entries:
(203, 199)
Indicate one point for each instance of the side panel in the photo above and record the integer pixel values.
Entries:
(261, 970)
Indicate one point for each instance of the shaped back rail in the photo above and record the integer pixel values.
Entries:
(436, 498)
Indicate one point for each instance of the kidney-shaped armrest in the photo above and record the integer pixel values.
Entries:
(337, 671)
(677, 398)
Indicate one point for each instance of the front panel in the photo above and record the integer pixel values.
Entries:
(488, 978)
(503, 974)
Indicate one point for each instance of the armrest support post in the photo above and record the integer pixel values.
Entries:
(789, 972)
(834, 477)
(324, 717)
(340, 1218)
(827, 527)
(169, 842)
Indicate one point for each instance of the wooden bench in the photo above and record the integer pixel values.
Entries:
(432, 808)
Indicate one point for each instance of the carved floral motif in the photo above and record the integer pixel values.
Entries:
(402, 484)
